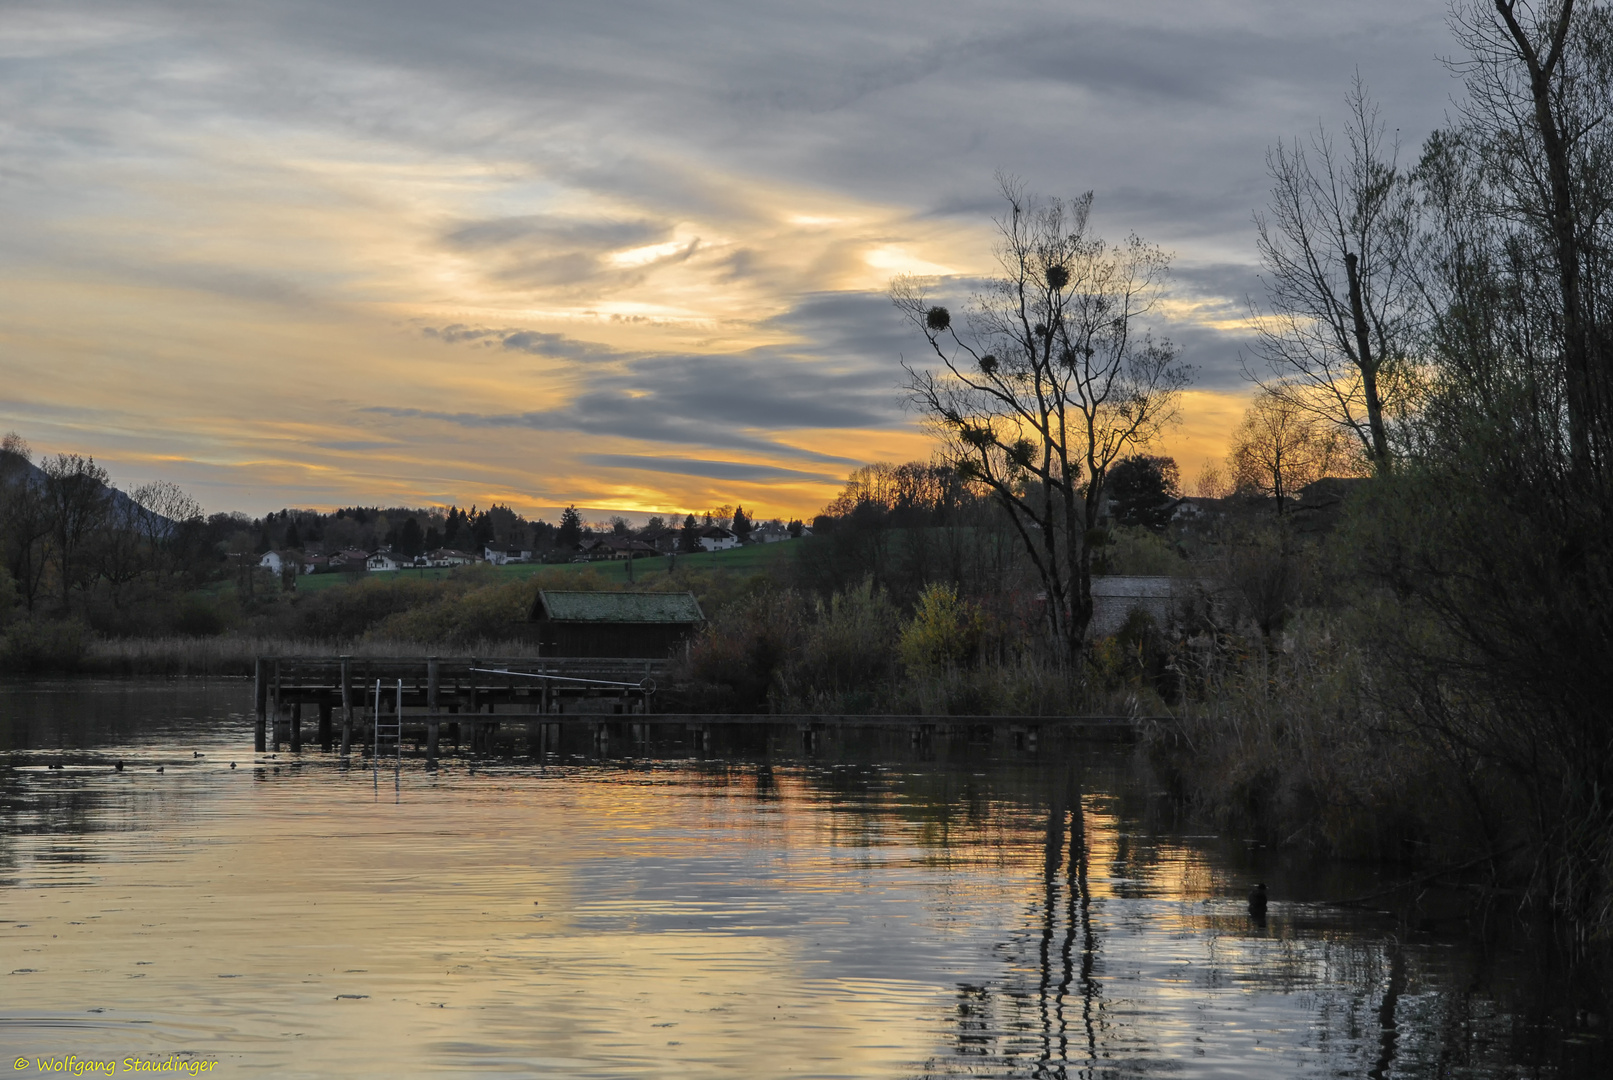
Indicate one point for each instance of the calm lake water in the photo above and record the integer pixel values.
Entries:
(871, 909)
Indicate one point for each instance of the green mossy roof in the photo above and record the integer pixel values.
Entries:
(617, 607)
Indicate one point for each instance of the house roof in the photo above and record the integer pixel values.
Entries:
(617, 607)
(1136, 585)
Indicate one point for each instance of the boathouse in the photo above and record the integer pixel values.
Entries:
(636, 624)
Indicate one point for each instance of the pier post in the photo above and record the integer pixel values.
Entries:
(324, 725)
(275, 735)
(260, 702)
(296, 727)
(347, 707)
(431, 711)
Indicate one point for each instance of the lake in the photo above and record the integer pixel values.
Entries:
(871, 908)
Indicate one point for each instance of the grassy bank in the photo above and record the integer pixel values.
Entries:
(767, 559)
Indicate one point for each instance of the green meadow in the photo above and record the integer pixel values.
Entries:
(754, 559)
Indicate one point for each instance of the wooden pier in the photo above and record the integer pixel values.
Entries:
(476, 697)
(440, 690)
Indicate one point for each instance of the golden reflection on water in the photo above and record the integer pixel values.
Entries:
(708, 919)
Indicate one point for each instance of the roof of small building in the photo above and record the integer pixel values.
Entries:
(1137, 585)
(617, 607)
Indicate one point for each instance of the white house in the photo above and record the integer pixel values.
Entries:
(499, 555)
(717, 538)
(384, 560)
(276, 561)
(449, 557)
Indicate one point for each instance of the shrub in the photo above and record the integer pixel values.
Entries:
(37, 646)
(945, 631)
(847, 655)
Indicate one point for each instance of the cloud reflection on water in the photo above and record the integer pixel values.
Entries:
(878, 911)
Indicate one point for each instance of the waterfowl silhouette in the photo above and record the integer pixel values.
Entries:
(159, 768)
(197, 753)
(232, 764)
(117, 767)
(1257, 901)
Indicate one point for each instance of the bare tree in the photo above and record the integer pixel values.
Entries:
(24, 518)
(1337, 249)
(1280, 447)
(119, 552)
(1048, 382)
(79, 498)
(168, 519)
(1539, 94)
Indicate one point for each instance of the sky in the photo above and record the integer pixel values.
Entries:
(630, 256)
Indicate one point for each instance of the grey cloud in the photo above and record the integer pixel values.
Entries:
(593, 236)
(844, 377)
(560, 346)
(1216, 356)
(726, 402)
(1232, 281)
(539, 250)
(709, 470)
(907, 102)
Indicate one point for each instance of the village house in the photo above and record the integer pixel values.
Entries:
(277, 561)
(385, 560)
(450, 557)
(615, 547)
(315, 564)
(770, 532)
(664, 541)
(717, 538)
(349, 560)
(501, 555)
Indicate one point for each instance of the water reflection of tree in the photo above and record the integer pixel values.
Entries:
(1033, 1027)
(1372, 1004)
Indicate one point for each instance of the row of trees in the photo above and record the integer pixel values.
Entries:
(412, 531)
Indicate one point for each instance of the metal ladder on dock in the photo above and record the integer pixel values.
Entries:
(392, 729)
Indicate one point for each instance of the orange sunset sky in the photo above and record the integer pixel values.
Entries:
(632, 257)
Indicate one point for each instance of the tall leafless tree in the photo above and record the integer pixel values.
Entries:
(79, 497)
(1048, 382)
(167, 520)
(24, 518)
(1337, 246)
(1539, 98)
(1280, 447)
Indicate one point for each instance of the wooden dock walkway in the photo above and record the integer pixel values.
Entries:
(475, 697)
